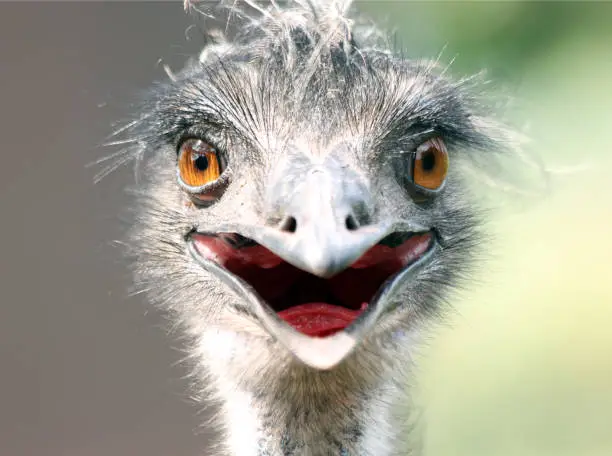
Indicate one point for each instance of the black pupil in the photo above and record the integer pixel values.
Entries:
(428, 161)
(201, 163)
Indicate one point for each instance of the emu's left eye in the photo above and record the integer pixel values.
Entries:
(430, 164)
(198, 163)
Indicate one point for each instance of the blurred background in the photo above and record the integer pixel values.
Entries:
(524, 365)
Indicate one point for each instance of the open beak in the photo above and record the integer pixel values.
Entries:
(326, 271)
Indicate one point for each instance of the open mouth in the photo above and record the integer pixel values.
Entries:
(314, 306)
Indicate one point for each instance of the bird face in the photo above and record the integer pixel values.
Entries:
(321, 265)
(311, 196)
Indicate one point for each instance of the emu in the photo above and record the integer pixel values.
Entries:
(303, 219)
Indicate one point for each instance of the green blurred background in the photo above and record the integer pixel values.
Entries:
(524, 366)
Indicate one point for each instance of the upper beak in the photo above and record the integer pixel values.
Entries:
(325, 222)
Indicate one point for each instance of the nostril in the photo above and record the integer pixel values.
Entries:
(289, 224)
(351, 223)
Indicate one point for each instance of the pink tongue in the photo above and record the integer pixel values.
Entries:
(318, 319)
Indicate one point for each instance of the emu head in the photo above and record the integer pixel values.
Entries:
(302, 205)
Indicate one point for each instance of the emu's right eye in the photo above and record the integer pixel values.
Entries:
(198, 163)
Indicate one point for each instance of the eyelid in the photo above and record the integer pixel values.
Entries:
(219, 183)
(209, 131)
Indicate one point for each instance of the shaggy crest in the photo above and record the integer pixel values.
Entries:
(306, 35)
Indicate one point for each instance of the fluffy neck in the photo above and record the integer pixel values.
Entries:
(256, 427)
(292, 410)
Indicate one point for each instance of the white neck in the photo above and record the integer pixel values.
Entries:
(303, 412)
(254, 430)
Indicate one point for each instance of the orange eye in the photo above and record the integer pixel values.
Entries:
(198, 163)
(430, 164)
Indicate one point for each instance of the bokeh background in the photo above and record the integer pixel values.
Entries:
(522, 367)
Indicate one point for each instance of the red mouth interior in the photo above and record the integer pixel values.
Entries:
(314, 306)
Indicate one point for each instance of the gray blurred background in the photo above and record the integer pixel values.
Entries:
(524, 367)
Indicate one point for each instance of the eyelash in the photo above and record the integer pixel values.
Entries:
(210, 132)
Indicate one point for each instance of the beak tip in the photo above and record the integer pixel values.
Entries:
(322, 265)
(323, 353)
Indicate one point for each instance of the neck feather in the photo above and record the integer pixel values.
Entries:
(258, 426)
(276, 407)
